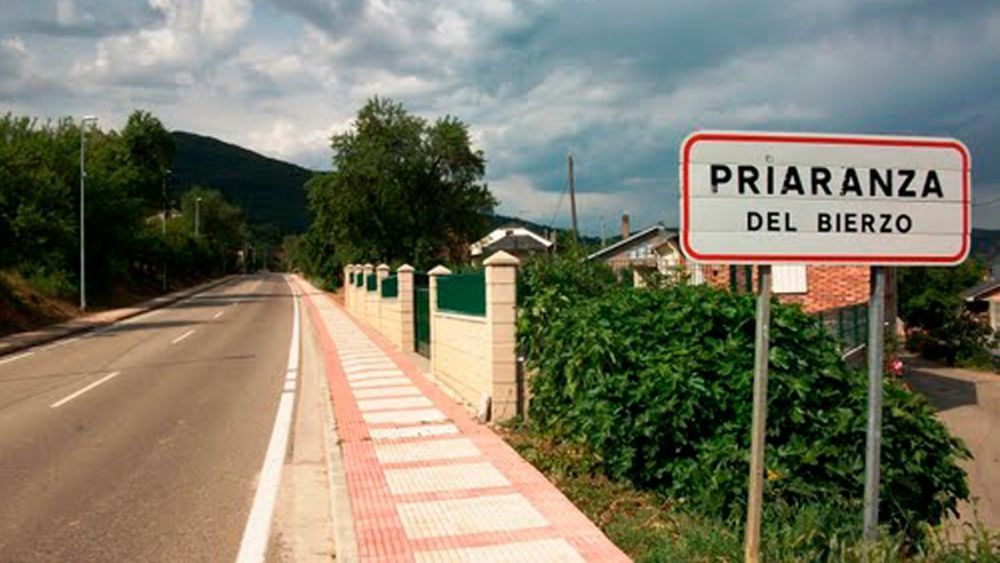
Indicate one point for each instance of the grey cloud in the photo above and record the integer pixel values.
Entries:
(620, 83)
(331, 15)
(77, 18)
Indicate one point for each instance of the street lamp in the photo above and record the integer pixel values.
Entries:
(166, 178)
(163, 224)
(83, 178)
(197, 217)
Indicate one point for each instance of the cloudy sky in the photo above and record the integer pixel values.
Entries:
(619, 82)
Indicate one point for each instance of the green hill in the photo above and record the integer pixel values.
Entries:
(269, 191)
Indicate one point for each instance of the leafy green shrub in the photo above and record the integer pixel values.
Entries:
(658, 384)
(51, 283)
(941, 327)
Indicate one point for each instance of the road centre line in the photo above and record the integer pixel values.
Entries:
(183, 336)
(69, 398)
(253, 547)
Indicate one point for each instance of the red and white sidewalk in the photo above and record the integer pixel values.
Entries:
(426, 481)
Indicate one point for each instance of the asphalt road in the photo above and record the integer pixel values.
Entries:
(158, 462)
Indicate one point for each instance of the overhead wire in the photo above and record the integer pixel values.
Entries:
(559, 203)
(986, 203)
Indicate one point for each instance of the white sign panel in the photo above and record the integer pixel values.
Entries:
(768, 198)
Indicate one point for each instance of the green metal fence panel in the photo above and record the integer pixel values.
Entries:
(390, 287)
(741, 279)
(849, 325)
(372, 282)
(359, 280)
(462, 293)
(422, 318)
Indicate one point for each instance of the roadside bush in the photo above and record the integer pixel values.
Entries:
(658, 382)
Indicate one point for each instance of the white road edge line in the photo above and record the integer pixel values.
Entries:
(182, 337)
(253, 548)
(69, 398)
(15, 358)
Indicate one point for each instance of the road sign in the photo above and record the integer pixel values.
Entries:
(762, 198)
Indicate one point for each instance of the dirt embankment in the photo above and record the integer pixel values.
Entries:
(22, 308)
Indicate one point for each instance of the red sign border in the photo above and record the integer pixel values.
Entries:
(825, 140)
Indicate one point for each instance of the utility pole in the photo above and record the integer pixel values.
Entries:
(572, 195)
(83, 181)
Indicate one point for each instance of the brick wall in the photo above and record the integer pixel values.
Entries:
(829, 287)
(833, 286)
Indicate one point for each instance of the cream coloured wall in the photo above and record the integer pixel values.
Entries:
(461, 355)
(390, 321)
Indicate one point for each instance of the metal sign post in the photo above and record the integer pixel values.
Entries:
(757, 437)
(876, 336)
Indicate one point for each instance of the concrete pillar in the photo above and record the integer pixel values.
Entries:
(381, 310)
(433, 282)
(501, 319)
(348, 286)
(356, 268)
(407, 337)
(365, 306)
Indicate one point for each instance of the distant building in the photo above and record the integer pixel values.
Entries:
(514, 239)
(657, 249)
(640, 253)
(984, 299)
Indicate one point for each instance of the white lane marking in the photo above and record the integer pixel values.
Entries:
(69, 398)
(210, 292)
(59, 344)
(182, 337)
(253, 547)
(15, 358)
(217, 315)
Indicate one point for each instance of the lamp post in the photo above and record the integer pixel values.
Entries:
(163, 224)
(197, 217)
(166, 202)
(83, 179)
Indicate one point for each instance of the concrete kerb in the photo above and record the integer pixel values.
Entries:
(17, 342)
(345, 540)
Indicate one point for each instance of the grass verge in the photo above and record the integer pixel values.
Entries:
(651, 527)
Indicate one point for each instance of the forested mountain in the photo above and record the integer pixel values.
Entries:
(269, 191)
(986, 245)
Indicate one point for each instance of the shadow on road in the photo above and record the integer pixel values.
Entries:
(150, 325)
(943, 392)
(225, 300)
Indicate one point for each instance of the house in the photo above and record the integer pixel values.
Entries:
(513, 239)
(816, 287)
(636, 252)
(984, 299)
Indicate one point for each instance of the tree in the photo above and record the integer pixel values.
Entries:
(150, 150)
(401, 190)
(221, 225)
(40, 206)
(930, 300)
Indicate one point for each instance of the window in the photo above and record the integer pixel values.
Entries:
(789, 279)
